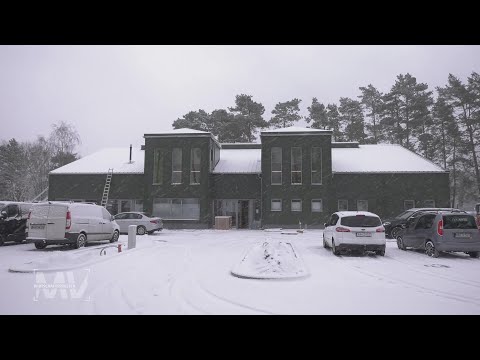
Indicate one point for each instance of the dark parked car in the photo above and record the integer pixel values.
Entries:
(13, 221)
(393, 226)
(434, 232)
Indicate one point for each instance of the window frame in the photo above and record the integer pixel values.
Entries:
(366, 203)
(170, 202)
(338, 204)
(276, 171)
(174, 172)
(192, 158)
(321, 166)
(321, 205)
(407, 208)
(278, 201)
(298, 201)
(158, 168)
(433, 202)
(292, 172)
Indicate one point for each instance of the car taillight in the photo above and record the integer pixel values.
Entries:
(440, 228)
(381, 229)
(342, 229)
(153, 221)
(69, 221)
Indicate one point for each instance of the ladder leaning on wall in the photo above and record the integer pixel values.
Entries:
(106, 188)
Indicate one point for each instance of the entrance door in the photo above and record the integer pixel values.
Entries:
(243, 214)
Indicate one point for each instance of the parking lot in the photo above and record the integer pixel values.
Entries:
(190, 272)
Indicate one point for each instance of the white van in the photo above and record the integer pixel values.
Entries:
(56, 223)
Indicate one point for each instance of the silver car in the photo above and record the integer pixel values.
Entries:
(435, 232)
(145, 224)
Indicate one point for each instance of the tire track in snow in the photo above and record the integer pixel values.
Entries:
(473, 283)
(189, 291)
(439, 293)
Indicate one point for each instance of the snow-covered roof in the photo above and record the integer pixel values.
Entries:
(239, 161)
(293, 129)
(100, 161)
(380, 158)
(179, 132)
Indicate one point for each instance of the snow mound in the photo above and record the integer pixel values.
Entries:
(277, 260)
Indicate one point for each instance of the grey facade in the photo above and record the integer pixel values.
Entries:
(181, 183)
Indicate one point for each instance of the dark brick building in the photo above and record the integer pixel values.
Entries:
(296, 175)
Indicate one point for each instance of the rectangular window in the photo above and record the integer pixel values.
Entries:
(317, 205)
(138, 205)
(177, 166)
(177, 209)
(342, 205)
(157, 166)
(276, 205)
(296, 205)
(276, 166)
(408, 204)
(125, 205)
(362, 205)
(296, 165)
(316, 166)
(429, 203)
(195, 158)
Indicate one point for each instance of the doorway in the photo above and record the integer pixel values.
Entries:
(243, 222)
(241, 211)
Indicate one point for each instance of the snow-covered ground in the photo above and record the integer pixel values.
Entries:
(190, 272)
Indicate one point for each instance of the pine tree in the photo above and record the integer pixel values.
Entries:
(465, 102)
(372, 99)
(197, 120)
(334, 122)
(249, 115)
(351, 115)
(285, 114)
(317, 115)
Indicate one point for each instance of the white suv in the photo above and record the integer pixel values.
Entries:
(354, 230)
(70, 223)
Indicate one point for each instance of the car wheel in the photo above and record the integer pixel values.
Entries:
(81, 241)
(141, 230)
(473, 254)
(430, 250)
(400, 243)
(324, 242)
(115, 236)
(394, 232)
(2, 239)
(334, 248)
(40, 245)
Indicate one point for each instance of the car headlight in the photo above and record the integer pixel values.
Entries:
(386, 223)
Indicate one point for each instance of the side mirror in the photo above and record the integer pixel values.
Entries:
(112, 217)
(325, 224)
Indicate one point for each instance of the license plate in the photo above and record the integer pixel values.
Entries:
(37, 226)
(364, 234)
(462, 235)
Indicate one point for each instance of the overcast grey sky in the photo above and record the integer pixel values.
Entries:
(115, 94)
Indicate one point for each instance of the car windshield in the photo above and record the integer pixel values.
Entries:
(404, 215)
(361, 221)
(459, 222)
